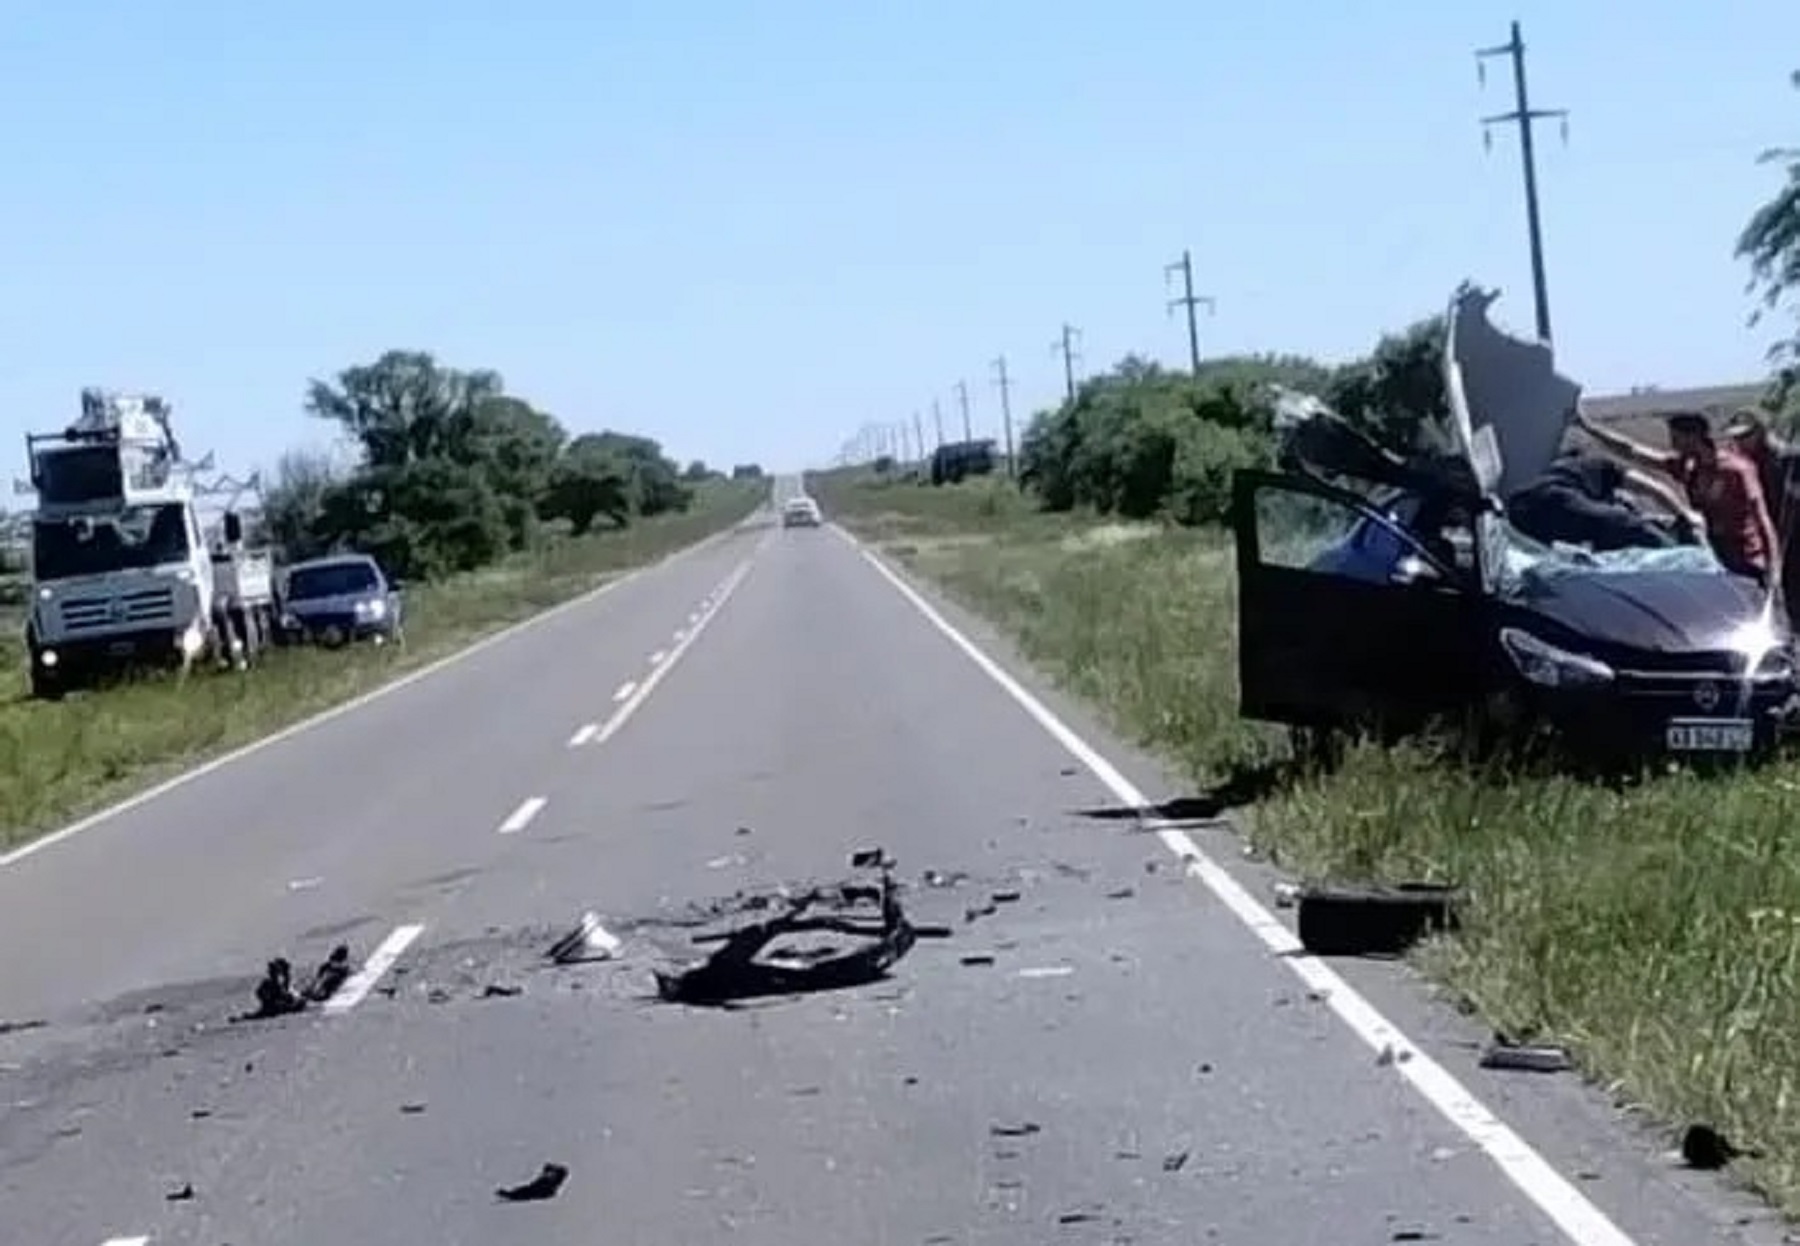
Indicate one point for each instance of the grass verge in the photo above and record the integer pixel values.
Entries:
(1655, 931)
(60, 760)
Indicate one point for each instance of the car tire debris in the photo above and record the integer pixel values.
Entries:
(1706, 1149)
(545, 1185)
(183, 1195)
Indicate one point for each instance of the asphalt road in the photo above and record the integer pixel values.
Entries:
(1137, 1063)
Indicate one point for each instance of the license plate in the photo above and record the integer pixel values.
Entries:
(121, 648)
(1711, 735)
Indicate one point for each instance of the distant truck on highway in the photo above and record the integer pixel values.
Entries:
(125, 572)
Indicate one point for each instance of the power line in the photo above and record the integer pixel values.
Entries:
(1004, 383)
(1065, 346)
(1523, 115)
(1188, 299)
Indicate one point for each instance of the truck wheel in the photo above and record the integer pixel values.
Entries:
(45, 684)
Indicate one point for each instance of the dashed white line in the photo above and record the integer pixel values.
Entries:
(624, 691)
(641, 693)
(583, 734)
(656, 659)
(343, 708)
(380, 961)
(126, 1241)
(521, 817)
(1579, 1219)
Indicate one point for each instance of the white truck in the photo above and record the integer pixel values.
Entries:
(125, 572)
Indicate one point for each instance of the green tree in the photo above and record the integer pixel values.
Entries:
(747, 471)
(589, 481)
(294, 504)
(654, 479)
(1396, 393)
(404, 407)
(1771, 243)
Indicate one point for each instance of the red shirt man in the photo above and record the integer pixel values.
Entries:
(1721, 484)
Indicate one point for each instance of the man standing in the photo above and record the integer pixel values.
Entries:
(1720, 483)
(1777, 463)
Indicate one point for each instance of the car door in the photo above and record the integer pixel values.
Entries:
(1345, 616)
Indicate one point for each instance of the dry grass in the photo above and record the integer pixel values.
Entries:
(1655, 930)
(57, 760)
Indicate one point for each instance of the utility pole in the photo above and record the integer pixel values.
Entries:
(937, 420)
(919, 434)
(1065, 346)
(962, 397)
(1523, 115)
(1185, 266)
(1004, 383)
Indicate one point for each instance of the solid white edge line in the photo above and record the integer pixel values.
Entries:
(158, 790)
(521, 817)
(583, 734)
(656, 659)
(1579, 1219)
(380, 961)
(679, 636)
(624, 690)
(127, 1241)
(623, 714)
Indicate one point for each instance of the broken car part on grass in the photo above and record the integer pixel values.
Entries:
(1373, 921)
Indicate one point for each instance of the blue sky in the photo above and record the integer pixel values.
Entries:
(747, 227)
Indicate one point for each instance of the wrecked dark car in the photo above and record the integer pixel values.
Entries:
(1390, 593)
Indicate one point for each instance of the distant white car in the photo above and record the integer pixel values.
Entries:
(800, 512)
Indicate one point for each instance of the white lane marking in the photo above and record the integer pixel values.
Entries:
(1579, 1219)
(156, 791)
(625, 690)
(521, 817)
(680, 635)
(1047, 971)
(623, 714)
(380, 961)
(126, 1241)
(694, 616)
(583, 734)
(656, 659)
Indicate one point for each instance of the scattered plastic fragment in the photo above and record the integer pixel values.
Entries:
(545, 1185)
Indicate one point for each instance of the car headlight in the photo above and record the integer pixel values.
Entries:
(193, 640)
(371, 609)
(1550, 667)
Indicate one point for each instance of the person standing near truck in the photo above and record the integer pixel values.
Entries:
(1720, 483)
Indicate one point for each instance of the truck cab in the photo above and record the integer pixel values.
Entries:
(121, 570)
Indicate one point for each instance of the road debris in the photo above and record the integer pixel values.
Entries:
(184, 1194)
(19, 1027)
(588, 941)
(1526, 1057)
(739, 970)
(870, 859)
(1175, 1162)
(1024, 1129)
(275, 993)
(1708, 1150)
(495, 990)
(1005, 897)
(1373, 921)
(976, 959)
(1047, 971)
(1121, 893)
(545, 1185)
(411, 1109)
